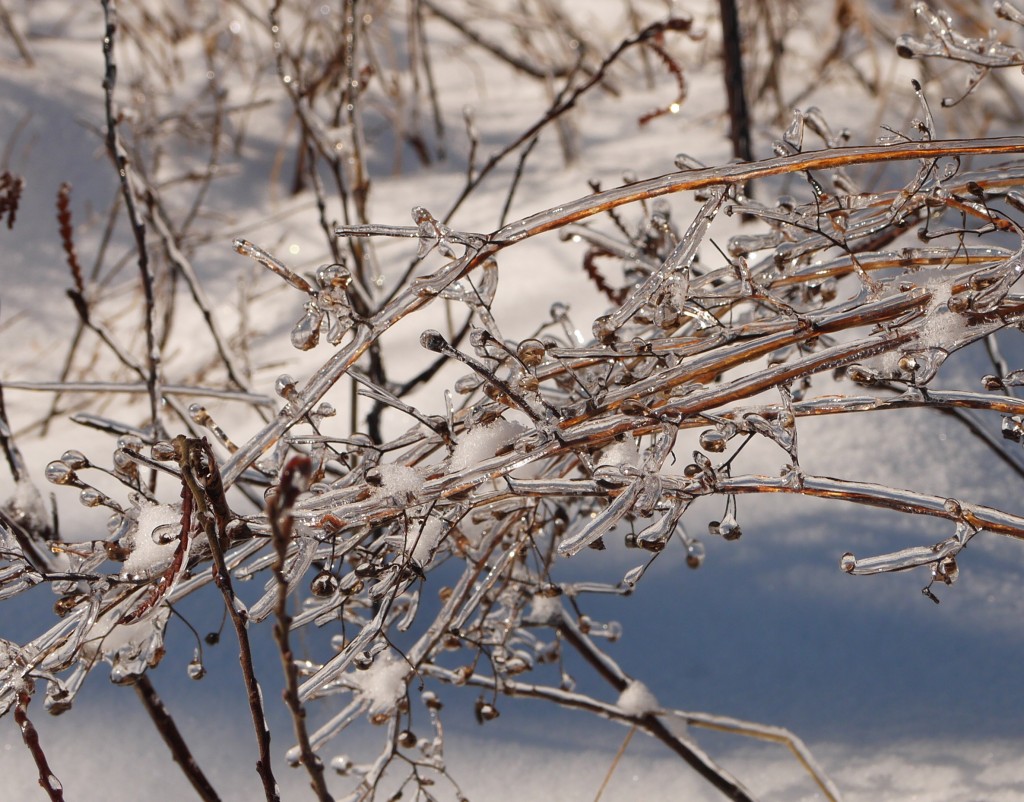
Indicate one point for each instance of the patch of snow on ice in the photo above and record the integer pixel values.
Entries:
(148, 557)
(637, 700)
(623, 452)
(383, 683)
(482, 442)
(398, 481)
(544, 609)
(422, 540)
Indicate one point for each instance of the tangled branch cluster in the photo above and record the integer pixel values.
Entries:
(565, 440)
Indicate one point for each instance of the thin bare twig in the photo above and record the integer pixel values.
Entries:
(172, 736)
(47, 779)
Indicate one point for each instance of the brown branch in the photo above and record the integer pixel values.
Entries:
(294, 480)
(169, 731)
(738, 174)
(119, 156)
(47, 779)
(202, 481)
(10, 194)
(67, 235)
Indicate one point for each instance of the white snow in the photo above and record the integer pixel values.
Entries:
(636, 699)
(148, 557)
(383, 683)
(544, 609)
(398, 481)
(621, 453)
(482, 443)
(422, 540)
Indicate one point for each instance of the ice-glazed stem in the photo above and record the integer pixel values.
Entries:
(737, 174)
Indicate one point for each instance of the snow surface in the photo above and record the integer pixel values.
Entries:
(898, 699)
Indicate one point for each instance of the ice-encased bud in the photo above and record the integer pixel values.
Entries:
(713, 441)
(74, 459)
(59, 473)
(163, 451)
(531, 352)
(306, 334)
(90, 497)
(695, 554)
(324, 584)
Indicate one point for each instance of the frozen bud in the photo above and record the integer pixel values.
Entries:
(59, 473)
(712, 440)
(527, 384)
(485, 711)
(306, 333)
(342, 765)
(464, 385)
(604, 329)
(1012, 427)
(907, 363)
(406, 739)
(727, 528)
(479, 338)
(90, 497)
(196, 670)
(695, 554)
(285, 386)
(324, 584)
(848, 562)
(433, 340)
(162, 451)
(335, 276)
(75, 460)
(431, 701)
(165, 533)
(947, 570)
(123, 462)
(531, 352)
(633, 407)
(363, 661)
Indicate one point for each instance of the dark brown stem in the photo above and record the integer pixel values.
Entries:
(118, 154)
(650, 722)
(47, 779)
(202, 481)
(172, 736)
(739, 115)
(294, 480)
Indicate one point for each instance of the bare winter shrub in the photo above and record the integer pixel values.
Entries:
(568, 439)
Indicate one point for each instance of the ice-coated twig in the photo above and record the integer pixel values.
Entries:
(294, 480)
(255, 399)
(201, 487)
(119, 156)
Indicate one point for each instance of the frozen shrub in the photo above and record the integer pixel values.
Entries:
(824, 304)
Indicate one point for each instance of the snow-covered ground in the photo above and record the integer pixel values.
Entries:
(898, 698)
